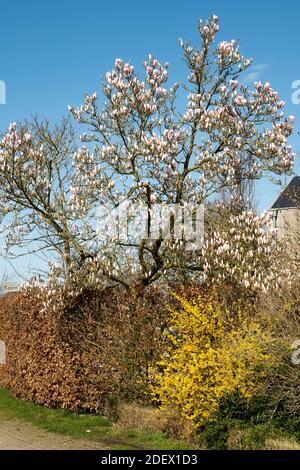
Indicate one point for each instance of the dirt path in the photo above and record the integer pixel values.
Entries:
(16, 435)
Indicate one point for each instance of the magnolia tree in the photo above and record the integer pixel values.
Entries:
(143, 148)
(242, 254)
(36, 175)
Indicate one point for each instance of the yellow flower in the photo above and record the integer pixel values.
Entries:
(210, 354)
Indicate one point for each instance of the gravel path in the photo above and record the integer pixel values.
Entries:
(16, 435)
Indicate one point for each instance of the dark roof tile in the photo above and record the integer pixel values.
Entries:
(290, 196)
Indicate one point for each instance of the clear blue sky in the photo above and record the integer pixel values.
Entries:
(54, 52)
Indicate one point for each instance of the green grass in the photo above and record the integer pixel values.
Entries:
(76, 425)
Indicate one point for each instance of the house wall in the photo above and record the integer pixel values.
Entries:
(287, 222)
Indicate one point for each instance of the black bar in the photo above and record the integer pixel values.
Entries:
(138, 459)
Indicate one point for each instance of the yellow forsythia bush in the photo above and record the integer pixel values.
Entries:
(208, 354)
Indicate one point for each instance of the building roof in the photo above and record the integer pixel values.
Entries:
(290, 196)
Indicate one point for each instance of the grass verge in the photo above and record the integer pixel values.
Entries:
(87, 426)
